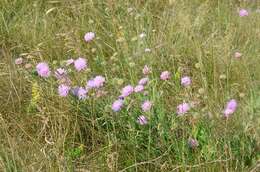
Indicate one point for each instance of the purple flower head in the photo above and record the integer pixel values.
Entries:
(237, 55)
(82, 93)
(193, 143)
(97, 82)
(243, 13)
(91, 83)
(146, 70)
(127, 90)
(18, 61)
(69, 62)
(139, 88)
(143, 81)
(185, 81)
(165, 75)
(43, 70)
(80, 64)
(63, 90)
(183, 108)
(60, 73)
(117, 105)
(89, 36)
(142, 120)
(146, 106)
(230, 108)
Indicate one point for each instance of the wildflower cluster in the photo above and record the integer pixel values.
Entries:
(96, 83)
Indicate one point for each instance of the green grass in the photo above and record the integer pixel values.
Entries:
(40, 131)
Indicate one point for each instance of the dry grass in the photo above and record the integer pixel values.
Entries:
(39, 131)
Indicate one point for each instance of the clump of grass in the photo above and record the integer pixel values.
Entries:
(197, 54)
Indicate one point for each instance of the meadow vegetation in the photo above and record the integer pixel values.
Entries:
(69, 71)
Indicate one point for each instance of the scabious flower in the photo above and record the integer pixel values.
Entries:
(89, 36)
(230, 107)
(117, 105)
(80, 64)
(142, 120)
(63, 90)
(193, 143)
(165, 75)
(90, 83)
(82, 93)
(18, 61)
(237, 55)
(183, 108)
(143, 81)
(243, 13)
(43, 70)
(185, 81)
(69, 62)
(97, 82)
(127, 90)
(146, 70)
(146, 106)
(139, 88)
(60, 73)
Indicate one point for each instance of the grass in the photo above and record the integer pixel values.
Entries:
(41, 131)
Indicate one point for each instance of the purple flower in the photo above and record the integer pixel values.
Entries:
(127, 90)
(183, 108)
(43, 70)
(80, 64)
(230, 107)
(91, 83)
(139, 88)
(146, 106)
(18, 61)
(142, 120)
(97, 82)
(82, 93)
(89, 36)
(185, 81)
(165, 75)
(117, 105)
(69, 62)
(60, 73)
(143, 81)
(146, 70)
(193, 143)
(243, 13)
(63, 90)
